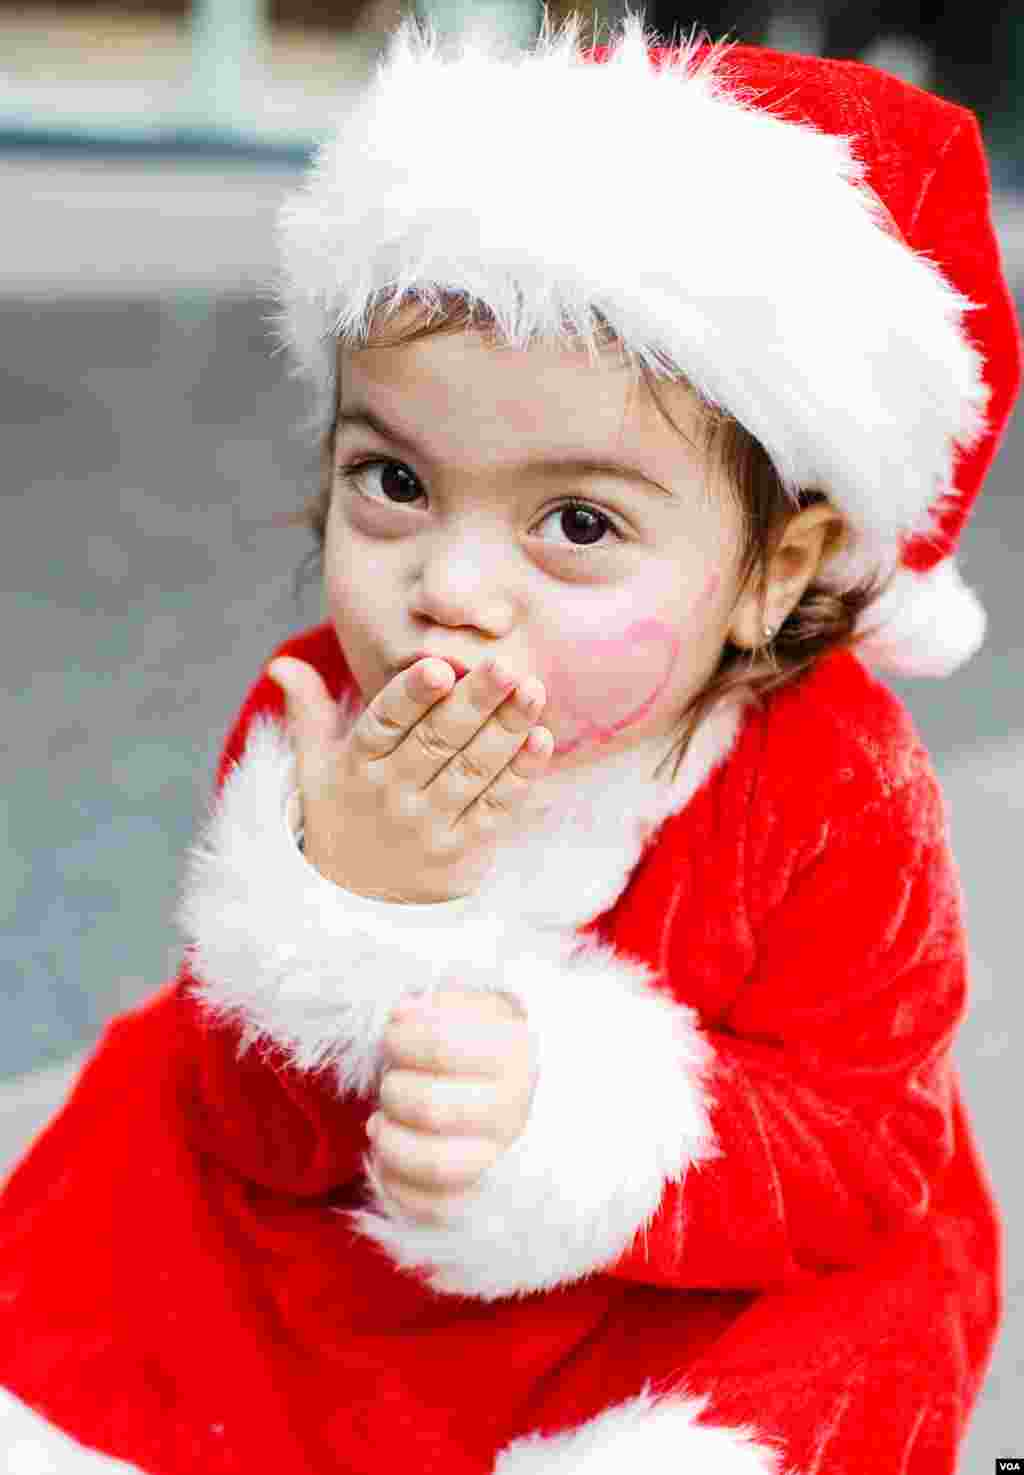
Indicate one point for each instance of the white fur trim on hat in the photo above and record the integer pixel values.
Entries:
(925, 624)
(745, 251)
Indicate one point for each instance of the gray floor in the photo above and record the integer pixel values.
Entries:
(148, 439)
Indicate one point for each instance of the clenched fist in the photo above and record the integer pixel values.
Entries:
(410, 804)
(455, 1095)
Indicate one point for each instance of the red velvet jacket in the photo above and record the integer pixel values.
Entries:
(745, 1229)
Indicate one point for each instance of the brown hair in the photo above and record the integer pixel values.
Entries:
(821, 621)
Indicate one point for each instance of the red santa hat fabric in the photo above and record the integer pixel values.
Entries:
(808, 242)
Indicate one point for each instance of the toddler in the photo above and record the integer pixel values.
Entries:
(559, 1075)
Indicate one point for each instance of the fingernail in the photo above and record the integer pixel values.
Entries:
(372, 1125)
(435, 676)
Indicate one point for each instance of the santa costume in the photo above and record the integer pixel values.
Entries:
(746, 1228)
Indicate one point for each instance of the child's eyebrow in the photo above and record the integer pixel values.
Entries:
(362, 415)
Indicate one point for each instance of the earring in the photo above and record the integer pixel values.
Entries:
(769, 631)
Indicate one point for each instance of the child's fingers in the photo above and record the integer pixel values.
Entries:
(504, 796)
(446, 1105)
(385, 722)
(312, 714)
(449, 728)
(427, 1161)
(446, 1044)
(456, 740)
(474, 768)
(426, 1206)
(372, 823)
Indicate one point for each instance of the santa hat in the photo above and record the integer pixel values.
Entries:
(807, 241)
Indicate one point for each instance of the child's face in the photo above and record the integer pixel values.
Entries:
(461, 544)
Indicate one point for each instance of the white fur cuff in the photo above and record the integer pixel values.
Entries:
(652, 1437)
(30, 1445)
(619, 1110)
(293, 957)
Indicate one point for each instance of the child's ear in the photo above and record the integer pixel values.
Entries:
(810, 538)
(836, 537)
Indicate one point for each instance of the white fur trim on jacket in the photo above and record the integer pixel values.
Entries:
(294, 958)
(619, 1110)
(651, 1436)
(620, 1107)
(31, 1445)
(405, 201)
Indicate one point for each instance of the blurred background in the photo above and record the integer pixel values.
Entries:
(150, 438)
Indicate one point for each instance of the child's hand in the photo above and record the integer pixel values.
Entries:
(456, 1096)
(410, 805)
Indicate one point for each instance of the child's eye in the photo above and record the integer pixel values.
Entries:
(584, 518)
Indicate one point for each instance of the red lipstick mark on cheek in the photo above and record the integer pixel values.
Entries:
(604, 684)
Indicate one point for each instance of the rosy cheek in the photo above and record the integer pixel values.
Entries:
(599, 684)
